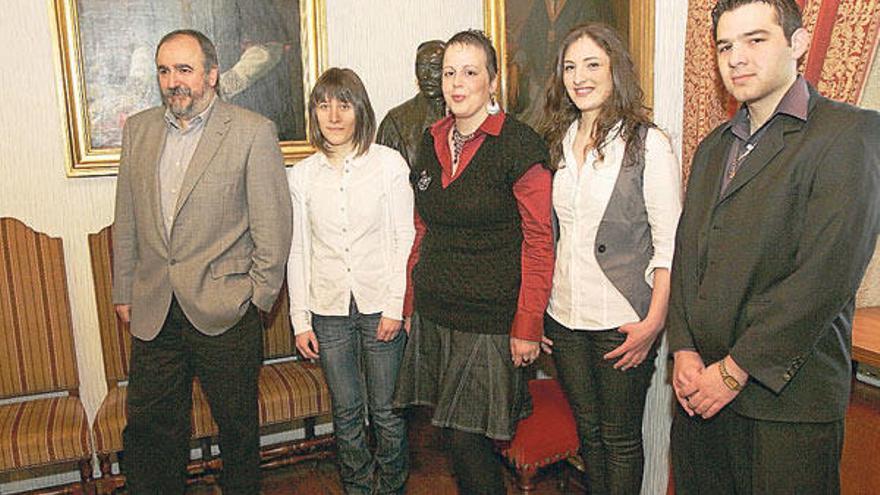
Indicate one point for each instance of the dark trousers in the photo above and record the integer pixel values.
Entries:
(608, 405)
(733, 454)
(475, 464)
(157, 437)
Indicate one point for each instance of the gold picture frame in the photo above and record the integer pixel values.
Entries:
(498, 19)
(100, 91)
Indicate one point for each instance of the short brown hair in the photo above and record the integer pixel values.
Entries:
(788, 14)
(478, 39)
(343, 85)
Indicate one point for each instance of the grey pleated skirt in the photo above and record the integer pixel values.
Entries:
(467, 377)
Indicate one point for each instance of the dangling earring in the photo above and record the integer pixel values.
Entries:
(492, 107)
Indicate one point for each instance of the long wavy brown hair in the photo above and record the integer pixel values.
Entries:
(625, 104)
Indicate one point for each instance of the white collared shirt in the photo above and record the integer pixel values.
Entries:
(583, 297)
(352, 234)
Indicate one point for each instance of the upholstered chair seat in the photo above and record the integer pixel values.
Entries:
(43, 431)
(544, 438)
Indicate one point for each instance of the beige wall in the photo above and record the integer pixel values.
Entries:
(32, 171)
(378, 42)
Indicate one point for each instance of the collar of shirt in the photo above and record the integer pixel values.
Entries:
(194, 122)
(440, 131)
(568, 144)
(492, 125)
(795, 103)
(353, 159)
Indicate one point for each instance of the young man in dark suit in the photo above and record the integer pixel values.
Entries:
(779, 223)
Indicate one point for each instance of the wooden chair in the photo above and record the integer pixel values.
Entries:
(290, 391)
(42, 421)
(546, 437)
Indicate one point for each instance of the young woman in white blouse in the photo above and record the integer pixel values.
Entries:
(352, 234)
(616, 194)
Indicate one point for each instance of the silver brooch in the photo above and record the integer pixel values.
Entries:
(424, 181)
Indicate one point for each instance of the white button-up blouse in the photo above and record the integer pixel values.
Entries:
(352, 234)
(583, 298)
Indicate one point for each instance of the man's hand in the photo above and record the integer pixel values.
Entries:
(523, 352)
(712, 394)
(307, 344)
(407, 324)
(123, 311)
(686, 370)
(388, 329)
(640, 337)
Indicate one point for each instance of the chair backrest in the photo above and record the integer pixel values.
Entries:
(36, 331)
(115, 335)
(278, 341)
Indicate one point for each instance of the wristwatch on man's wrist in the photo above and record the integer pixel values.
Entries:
(728, 379)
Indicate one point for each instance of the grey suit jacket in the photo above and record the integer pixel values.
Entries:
(231, 233)
(768, 271)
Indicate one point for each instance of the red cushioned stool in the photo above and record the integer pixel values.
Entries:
(544, 438)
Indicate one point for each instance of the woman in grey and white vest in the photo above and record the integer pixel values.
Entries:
(617, 197)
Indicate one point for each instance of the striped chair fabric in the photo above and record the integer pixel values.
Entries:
(38, 356)
(278, 340)
(43, 432)
(289, 390)
(292, 390)
(115, 336)
(111, 419)
(37, 343)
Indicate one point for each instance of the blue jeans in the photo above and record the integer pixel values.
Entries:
(608, 405)
(356, 365)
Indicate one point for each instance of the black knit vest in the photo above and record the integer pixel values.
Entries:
(469, 270)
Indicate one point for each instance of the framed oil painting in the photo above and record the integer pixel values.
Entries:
(271, 52)
(526, 35)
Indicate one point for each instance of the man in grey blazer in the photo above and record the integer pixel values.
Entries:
(200, 239)
(780, 220)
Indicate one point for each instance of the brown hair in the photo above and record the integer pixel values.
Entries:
(478, 39)
(343, 85)
(625, 104)
(788, 14)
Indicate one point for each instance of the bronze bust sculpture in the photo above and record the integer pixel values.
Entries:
(403, 126)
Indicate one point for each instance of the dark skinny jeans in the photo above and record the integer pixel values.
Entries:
(608, 405)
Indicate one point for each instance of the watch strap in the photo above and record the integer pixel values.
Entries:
(728, 379)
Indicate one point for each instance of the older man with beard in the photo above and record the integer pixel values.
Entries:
(201, 237)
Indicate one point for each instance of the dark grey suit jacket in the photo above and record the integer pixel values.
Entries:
(768, 271)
